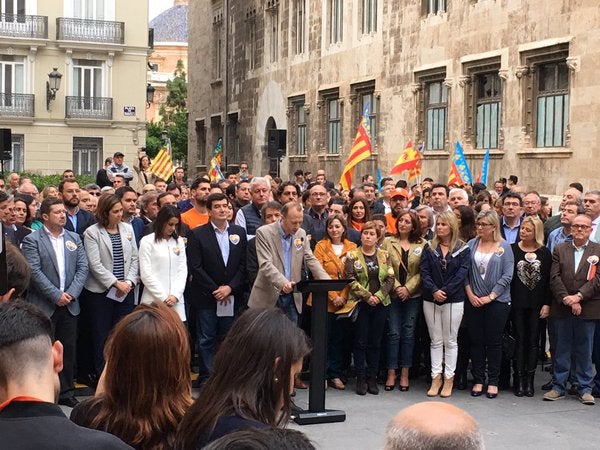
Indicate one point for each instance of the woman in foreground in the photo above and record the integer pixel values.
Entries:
(252, 379)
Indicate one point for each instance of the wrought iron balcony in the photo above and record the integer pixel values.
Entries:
(103, 31)
(22, 26)
(95, 108)
(16, 105)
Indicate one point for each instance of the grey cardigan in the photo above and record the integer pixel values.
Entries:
(498, 274)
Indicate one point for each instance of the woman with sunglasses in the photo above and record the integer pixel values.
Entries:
(488, 291)
(444, 269)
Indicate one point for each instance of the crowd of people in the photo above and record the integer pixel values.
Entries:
(143, 280)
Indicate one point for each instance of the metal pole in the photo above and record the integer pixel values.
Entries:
(225, 87)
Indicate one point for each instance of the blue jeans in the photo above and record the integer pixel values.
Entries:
(210, 330)
(574, 337)
(401, 335)
(287, 305)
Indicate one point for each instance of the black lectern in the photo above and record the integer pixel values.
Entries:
(316, 397)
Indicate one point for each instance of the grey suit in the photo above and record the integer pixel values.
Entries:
(44, 291)
(271, 278)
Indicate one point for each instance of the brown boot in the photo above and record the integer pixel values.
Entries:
(447, 389)
(436, 385)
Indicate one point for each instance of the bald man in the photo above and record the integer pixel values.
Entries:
(433, 425)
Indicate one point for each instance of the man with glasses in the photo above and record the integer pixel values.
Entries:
(93, 189)
(316, 216)
(575, 309)
(248, 217)
(510, 223)
(398, 203)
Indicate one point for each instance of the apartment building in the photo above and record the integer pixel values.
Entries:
(97, 50)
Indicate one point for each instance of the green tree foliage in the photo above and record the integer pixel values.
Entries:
(174, 118)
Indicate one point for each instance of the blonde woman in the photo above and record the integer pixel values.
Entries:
(405, 250)
(444, 269)
(488, 291)
(531, 297)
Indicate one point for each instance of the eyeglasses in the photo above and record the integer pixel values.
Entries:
(580, 227)
(318, 194)
(97, 194)
(483, 225)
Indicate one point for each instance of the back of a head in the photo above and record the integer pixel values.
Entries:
(25, 340)
(262, 439)
(433, 426)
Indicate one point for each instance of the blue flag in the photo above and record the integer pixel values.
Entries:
(485, 166)
(461, 164)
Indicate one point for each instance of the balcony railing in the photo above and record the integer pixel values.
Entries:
(103, 31)
(22, 26)
(16, 105)
(96, 108)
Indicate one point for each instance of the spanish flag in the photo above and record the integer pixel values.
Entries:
(361, 149)
(410, 160)
(162, 165)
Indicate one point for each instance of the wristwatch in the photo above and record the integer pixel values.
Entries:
(492, 296)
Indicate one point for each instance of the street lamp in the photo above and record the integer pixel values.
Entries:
(149, 95)
(52, 86)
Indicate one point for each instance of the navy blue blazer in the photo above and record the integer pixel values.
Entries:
(84, 220)
(207, 268)
(452, 280)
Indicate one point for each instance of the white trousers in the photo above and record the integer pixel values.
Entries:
(443, 322)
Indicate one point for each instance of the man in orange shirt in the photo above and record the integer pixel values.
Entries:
(198, 215)
(398, 203)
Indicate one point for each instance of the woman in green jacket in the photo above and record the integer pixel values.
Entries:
(373, 277)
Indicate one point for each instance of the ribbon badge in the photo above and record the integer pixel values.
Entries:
(71, 246)
(593, 261)
(234, 239)
(184, 241)
(499, 251)
(417, 251)
(298, 243)
(358, 265)
(530, 257)
(177, 251)
(129, 236)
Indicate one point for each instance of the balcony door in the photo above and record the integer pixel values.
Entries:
(12, 80)
(12, 11)
(87, 83)
(89, 9)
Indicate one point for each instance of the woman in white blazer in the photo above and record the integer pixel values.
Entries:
(163, 264)
(113, 258)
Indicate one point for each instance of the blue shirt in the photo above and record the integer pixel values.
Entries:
(578, 253)
(556, 237)
(510, 234)
(223, 241)
(286, 244)
(73, 219)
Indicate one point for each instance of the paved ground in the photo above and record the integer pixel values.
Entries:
(507, 422)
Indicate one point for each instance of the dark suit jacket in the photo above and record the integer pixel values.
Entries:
(15, 236)
(84, 220)
(207, 268)
(44, 288)
(565, 281)
(27, 425)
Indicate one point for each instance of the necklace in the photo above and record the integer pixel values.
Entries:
(483, 262)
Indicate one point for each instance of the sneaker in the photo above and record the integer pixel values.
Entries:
(553, 395)
(587, 399)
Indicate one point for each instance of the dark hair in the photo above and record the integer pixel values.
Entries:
(216, 197)
(353, 202)
(336, 201)
(61, 185)
(161, 196)
(165, 214)
(442, 186)
(484, 196)
(415, 233)
(106, 202)
(478, 187)
(384, 180)
(261, 439)
(121, 191)
(514, 178)
(339, 218)
(198, 181)
(18, 270)
(298, 172)
(251, 383)
(283, 185)
(172, 186)
(48, 203)
(577, 186)
(467, 230)
(401, 184)
(513, 195)
(145, 398)
(27, 199)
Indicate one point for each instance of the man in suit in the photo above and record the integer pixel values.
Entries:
(575, 285)
(217, 263)
(281, 249)
(510, 222)
(30, 361)
(78, 220)
(59, 268)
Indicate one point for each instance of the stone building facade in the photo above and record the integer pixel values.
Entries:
(516, 76)
(100, 48)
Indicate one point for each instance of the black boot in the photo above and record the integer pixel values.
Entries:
(372, 386)
(361, 386)
(519, 382)
(528, 388)
(461, 381)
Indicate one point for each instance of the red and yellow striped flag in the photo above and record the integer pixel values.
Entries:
(361, 149)
(162, 165)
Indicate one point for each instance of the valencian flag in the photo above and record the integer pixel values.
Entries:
(483, 176)
(459, 169)
(361, 149)
(409, 160)
(414, 173)
(162, 165)
(215, 162)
